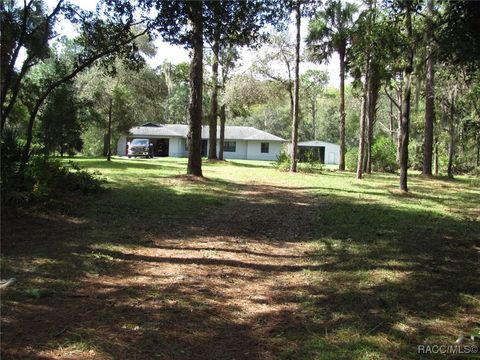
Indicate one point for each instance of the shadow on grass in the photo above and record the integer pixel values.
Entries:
(381, 280)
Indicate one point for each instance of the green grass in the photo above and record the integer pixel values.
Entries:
(392, 270)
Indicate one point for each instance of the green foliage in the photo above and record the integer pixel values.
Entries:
(61, 123)
(53, 178)
(384, 155)
(132, 97)
(464, 165)
(327, 128)
(459, 38)
(351, 159)
(44, 180)
(11, 151)
(476, 171)
(283, 161)
(331, 30)
(310, 162)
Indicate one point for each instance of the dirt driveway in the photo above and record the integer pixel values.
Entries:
(227, 286)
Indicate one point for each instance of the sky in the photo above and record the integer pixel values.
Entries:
(176, 54)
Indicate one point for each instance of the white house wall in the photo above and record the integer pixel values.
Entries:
(249, 150)
(183, 148)
(240, 150)
(254, 150)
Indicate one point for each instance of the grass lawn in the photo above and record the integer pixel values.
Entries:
(250, 263)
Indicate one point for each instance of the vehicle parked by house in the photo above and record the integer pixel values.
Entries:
(140, 147)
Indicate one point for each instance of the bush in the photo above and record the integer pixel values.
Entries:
(43, 180)
(351, 159)
(283, 161)
(415, 155)
(309, 163)
(462, 165)
(11, 148)
(475, 171)
(384, 155)
(52, 178)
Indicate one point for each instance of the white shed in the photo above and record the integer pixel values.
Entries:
(327, 153)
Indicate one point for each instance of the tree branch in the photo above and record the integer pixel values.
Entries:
(54, 85)
(392, 99)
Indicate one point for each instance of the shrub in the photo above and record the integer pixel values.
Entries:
(351, 159)
(415, 155)
(462, 165)
(475, 171)
(44, 179)
(52, 178)
(310, 162)
(11, 149)
(384, 155)
(283, 161)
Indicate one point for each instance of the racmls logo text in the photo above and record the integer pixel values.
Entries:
(447, 349)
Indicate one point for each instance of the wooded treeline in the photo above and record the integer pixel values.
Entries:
(413, 101)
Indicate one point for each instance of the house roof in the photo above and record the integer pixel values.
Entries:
(315, 143)
(177, 130)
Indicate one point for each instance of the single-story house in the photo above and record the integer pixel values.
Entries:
(241, 142)
(325, 152)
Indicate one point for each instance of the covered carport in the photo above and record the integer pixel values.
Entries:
(324, 152)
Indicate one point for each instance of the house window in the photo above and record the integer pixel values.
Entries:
(230, 146)
(186, 145)
(264, 148)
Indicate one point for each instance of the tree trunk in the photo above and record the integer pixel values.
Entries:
(105, 147)
(478, 150)
(314, 118)
(435, 164)
(291, 95)
(28, 143)
(365, 100)
(451, 150)
(451, 134)
(399, 121)
(429, 97)
(109, 131)
(212, 149)
(405, 125)
(223, 119)
(295, 119)
(363, 110)
(392, 117)
(341, 164)
(365, 156)
(196, 82)
(373, 88)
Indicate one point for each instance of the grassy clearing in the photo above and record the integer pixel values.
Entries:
(293, 266)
